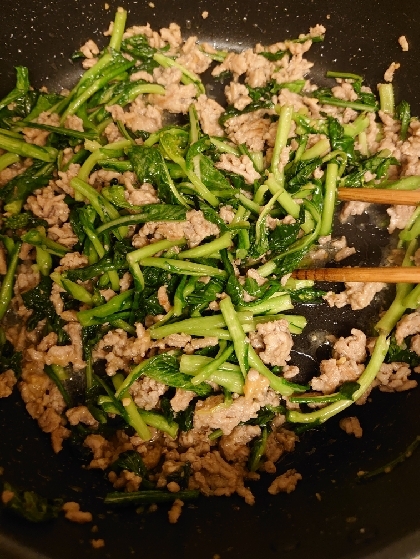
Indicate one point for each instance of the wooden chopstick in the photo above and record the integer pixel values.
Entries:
(380, 196)
(383, 274)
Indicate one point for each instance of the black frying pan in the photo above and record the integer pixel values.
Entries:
(376, 519)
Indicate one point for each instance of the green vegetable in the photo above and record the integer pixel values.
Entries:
(31, 506)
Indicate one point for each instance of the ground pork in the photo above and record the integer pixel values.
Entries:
(278, 442)
(81, 414)
(90, 49)
(234, 446)
(352, 208)
(214, 476)
(139, 196)
(357, 294)
(121, 351)
(73, 513)
(127, 480)
(403, 43)
(44, 402)
(240, 165)
(286, 483)
(399, 216)
(351, 425)
(39, 137)
(27, 277)
(177, 98)
(334, 372)
(249, 128)
(209, 112)
(7, 382)
(98, 543)
(393, 377)
(407, 326)
(193, 58)
(182, 399)
(214, 413)
(227, 213)
(140, 116)
(3, 261)
(194, 230)
(106, 452)
(276, 342)
(65, 354)
(353, 347)
(175, 511)
(13, 171)
(48, 205)
(389, 74)
(63, 235)
(415, 344)
(146, 392)
(237, 95)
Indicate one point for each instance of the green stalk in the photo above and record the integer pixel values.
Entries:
(320, 149)
(112, 72)
(282, 135)
(356, 127)
(119, 302)
(6, 289)
(8, 159)
(77, 291)
(147, 497)
(156, 420)
(187, 75)
(365, 380)
(274, 304)
(180, 267)
(386, 98)
(134, 418)
(278, 384)
(38, 239)
(205, 372)
(240, 343)
(118, 29)
(205, 250)
(43, 261)
(284, 199)
(150, 250)
(405, 183)
(329, 199)
(22, 148)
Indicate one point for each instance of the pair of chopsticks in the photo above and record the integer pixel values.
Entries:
(385, 274)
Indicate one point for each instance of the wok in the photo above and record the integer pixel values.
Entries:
(349, 519)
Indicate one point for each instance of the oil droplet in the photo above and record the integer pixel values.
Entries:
(188, 24)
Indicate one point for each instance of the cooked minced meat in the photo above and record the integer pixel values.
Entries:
(286, 483)
(351, 425)
(72, 512)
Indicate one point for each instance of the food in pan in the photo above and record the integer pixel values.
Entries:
(149, 241)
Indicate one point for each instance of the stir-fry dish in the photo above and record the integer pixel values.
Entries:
(149, 235)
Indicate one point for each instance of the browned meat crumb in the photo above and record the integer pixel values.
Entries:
(7, 382)
(74, 514)
(175, 511)
(389, 74)
(97, 544)
(7, 496)
(351, 425)
(403, 43)
(286, 483)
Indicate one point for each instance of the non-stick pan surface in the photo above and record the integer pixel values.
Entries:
(331, 515)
